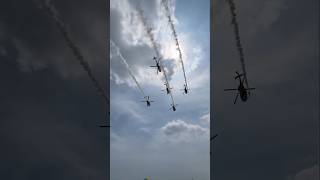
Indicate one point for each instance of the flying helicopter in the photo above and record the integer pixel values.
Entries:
(185, 89)
(242, 91)
(147, 100)
(167, 88)
(157, 64)
(173, 107)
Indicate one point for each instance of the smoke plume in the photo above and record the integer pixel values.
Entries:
(53, 14)
(237, 38)
(156, 48)
(175, 36)
(124, 61)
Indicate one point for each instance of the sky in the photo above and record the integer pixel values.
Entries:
(155, 141)
(50, 112)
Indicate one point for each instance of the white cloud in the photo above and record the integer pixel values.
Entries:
(134, 44)
(172, 145)
(179, 130)
(128, 107)
(205, 119)
(197, 51)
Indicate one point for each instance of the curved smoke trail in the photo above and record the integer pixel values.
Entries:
(155, 46)
(175, 36)
(52, 12)
(113, 45)
(237, 38)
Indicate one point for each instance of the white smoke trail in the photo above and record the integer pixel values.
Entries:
(175, 36)
(124, 61)
(156, 47)
(53, 13)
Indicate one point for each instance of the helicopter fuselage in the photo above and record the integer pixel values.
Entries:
(168, 90)
(173, 108)
(159, 68)
(243, 92)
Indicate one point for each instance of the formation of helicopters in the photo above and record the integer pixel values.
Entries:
(167, 87)
(243, 89)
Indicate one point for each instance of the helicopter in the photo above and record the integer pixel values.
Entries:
(173, 107)
(147, 100)
(185, 89)
(157, 65)
(167, 88)
(244, 92)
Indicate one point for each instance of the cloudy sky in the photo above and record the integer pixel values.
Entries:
(49, 110)
(155, 141)
(275, 134)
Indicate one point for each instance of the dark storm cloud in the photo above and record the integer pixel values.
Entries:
(274, 135)
(50, 112)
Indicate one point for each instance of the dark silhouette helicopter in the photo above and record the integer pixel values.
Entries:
(157, 64)
(244, 92)
(185, 89)
(167, 88)
(147, 100)
(173, 107)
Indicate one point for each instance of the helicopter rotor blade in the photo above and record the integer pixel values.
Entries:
(103, 126)
(213, 137)
(235, 100)
(230, 89)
